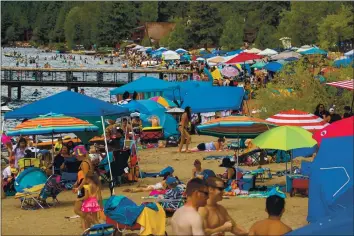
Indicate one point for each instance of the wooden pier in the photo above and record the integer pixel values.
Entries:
(73, 78)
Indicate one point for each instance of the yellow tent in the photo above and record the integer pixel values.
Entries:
(216, 74)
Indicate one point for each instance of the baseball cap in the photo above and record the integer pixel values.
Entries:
(331, 109)
(171, 180)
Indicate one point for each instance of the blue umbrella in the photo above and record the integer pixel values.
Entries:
(238, 51)
(314, 51)
(273, 66)
(181, 50)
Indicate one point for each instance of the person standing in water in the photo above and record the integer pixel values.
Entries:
(183, 129)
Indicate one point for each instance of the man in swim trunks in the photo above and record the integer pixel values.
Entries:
(186, 220)
(216, 219)
(273, 225)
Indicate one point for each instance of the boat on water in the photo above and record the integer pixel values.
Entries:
(5, 109)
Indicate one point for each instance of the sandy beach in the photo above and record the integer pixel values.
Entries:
(245, 211)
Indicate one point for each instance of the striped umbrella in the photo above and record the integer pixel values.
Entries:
(235, 127)
(51, 124)
(163, 101)
(306, 120)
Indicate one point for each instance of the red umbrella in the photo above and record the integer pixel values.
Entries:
(242, 57)
(346, 84)
(339, 128)
(306, 120)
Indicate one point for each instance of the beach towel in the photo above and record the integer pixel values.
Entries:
(152, 222)
(217, 157)
(124, 211)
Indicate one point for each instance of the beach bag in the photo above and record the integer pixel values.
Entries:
(172, 142)
(100, 230)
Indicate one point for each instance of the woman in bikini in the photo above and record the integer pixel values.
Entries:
(85, 169)
(183, 128)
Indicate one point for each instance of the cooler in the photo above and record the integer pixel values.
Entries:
(289, 181)
(248, 182)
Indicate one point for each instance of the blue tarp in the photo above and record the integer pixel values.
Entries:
(209, 99)
(338, 224)
(331, 178)
(144, 85)
(124, 211)
(273, 66)
(67, 103)
(148, 108)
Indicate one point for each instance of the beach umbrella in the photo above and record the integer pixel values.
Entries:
(344, 62)
(253, 50)
(235, 127)
(229, 71)
(175, 110)
(314, 51)
(52, 124)
(163, 101)
(346, 84)
(243, 57)
(273, 66)
(171, 55)
(303, 119)
(341, 128)
(258, 65)
(268, 52)
(181, 50)
(161, 49)
(200, 59)
(285, 55)
(217, 59)
(232, 53)
(285, 138)
(304, 48)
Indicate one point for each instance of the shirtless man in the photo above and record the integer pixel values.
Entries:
(272, 225)
(216, 219)
(186, 220)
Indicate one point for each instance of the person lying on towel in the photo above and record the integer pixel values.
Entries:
(211, 146)
(174, 193)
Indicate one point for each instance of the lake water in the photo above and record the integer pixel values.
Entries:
(101, 93)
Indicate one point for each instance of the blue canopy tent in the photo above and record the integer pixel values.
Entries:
(209, 99)
(148, 108)
(339, 224)
(314, 51)
(331, 179)
(183, 88)
(273, 66)
(66, 103)
(150, 86)
(345, 62)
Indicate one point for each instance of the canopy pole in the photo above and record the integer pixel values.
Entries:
(52, 153)
(106, 147)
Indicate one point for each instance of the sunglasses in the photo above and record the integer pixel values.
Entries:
(219, 188)
(206, 193)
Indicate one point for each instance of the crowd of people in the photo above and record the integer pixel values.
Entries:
(330, 115)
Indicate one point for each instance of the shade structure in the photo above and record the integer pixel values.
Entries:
(217, 59)
(285, 138)
(231, 53)
(341, 128)
(258, 65)
(302, 119)
(181, 50)
(235, 127)
(163, 101)
(273, 66)
(144, 85)
(285, 55)
(268, 52)
(161, 49)
(344, 62)
(67, 103)
(243, 57)
(171, 55)
(314, 51)
(52, 124)
(230, 71)
(345, 84)
(350, 53)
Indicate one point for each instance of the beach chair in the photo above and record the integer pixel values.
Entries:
(170, 206)
(36, 196)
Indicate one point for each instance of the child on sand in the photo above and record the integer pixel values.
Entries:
(273, 225)
(92, 201)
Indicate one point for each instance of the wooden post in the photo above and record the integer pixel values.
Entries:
(19, 92)
(9, 91)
